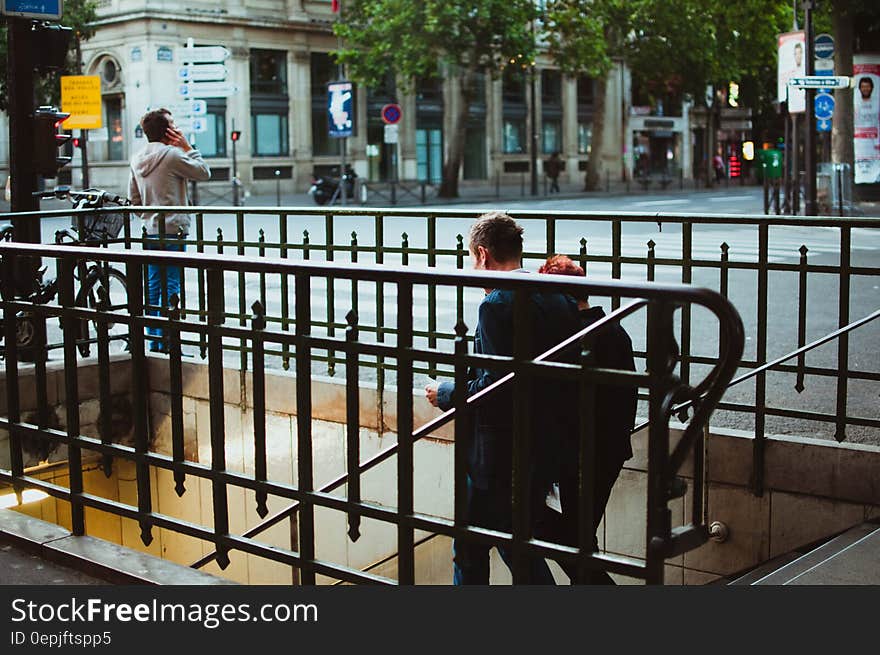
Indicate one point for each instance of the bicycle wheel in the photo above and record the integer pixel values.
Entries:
(101, 279)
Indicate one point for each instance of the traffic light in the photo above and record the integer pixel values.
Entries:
(77, 142)
(235, 135)
(47, 121)
(50, 45)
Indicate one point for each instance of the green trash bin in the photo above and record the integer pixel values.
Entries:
(771, 163)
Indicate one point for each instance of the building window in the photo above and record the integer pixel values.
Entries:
(269, 134)
(429, 154)
(269, 72)
(212, 142)
(322, 143)
(585, 90)
(116, 138)
(551, 132)
(513, 86)
(513, 137)
(585, 138)
(551, 87)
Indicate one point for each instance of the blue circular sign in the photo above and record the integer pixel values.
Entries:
(824, 106)
(391, 114)
(824, 46)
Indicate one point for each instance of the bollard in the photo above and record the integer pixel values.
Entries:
(766, 194)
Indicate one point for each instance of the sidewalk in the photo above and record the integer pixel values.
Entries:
(409, 195)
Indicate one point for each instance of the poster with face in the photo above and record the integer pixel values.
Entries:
(866, 118)
(791, 63)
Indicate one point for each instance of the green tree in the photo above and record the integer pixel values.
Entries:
(672, 47)
(79, 15)
(457, 40)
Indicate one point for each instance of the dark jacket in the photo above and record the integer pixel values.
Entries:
(553, 318)
(610, 348)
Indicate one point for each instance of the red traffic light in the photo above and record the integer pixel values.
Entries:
(47, 141)
(76, 142)
(235, 135)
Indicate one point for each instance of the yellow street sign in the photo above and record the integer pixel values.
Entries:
(81, 98)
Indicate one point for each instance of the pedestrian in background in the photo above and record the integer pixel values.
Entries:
(718, 165)
(496, 244)
(553, 167)
(159, 176)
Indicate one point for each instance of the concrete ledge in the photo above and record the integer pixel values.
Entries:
(96, 557)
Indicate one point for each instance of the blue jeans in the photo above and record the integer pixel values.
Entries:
(156, 295)
(489, 508)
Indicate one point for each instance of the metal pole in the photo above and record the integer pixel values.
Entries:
(83, 134)
(19, 73)
(795, 168)
(810, 206)
(277, 188)
(786, 162)
(533, 150)
(234, 171)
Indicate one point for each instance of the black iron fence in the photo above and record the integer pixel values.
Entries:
(793, 280)
(213, 327)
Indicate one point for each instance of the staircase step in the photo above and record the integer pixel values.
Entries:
(850, 558)
(766, 569)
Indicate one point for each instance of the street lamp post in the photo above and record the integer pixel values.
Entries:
(533, 119)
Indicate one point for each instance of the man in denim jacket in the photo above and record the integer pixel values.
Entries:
(496, 245)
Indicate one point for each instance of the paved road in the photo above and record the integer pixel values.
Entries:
(822, 303)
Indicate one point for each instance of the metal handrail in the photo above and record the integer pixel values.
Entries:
(831, 336)
(447, 416)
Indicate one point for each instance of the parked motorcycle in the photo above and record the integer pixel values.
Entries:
(325, 188)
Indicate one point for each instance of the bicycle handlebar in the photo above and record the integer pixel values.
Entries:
(88, 198)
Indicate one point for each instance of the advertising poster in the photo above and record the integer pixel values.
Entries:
(791, 63)
(866, 118)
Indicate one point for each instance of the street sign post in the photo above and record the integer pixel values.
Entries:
(391, 114)
(391, 133)
(189, 108)
(824, 106)
(191, 125)
(202, 73)
(42, 9)
(206, 90)
(203, 54)
(820, 82)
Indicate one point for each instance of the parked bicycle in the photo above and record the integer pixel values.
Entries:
(100, 286)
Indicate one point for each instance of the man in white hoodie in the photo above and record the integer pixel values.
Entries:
(159, 176)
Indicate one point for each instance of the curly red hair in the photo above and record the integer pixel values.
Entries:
(563, 265)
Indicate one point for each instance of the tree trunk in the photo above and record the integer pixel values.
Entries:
(593, 177)
(455, 152)
(842, 122)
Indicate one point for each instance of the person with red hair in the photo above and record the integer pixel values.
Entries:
(615, 411)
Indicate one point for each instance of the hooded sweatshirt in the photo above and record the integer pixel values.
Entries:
(159, 174)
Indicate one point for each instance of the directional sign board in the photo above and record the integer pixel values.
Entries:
(212, 54)
(820, 82)
(45, 9)
(202, 73)
(189, 108)
(824, 106)
(823, 125)
(191, 125)
(206, 90)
